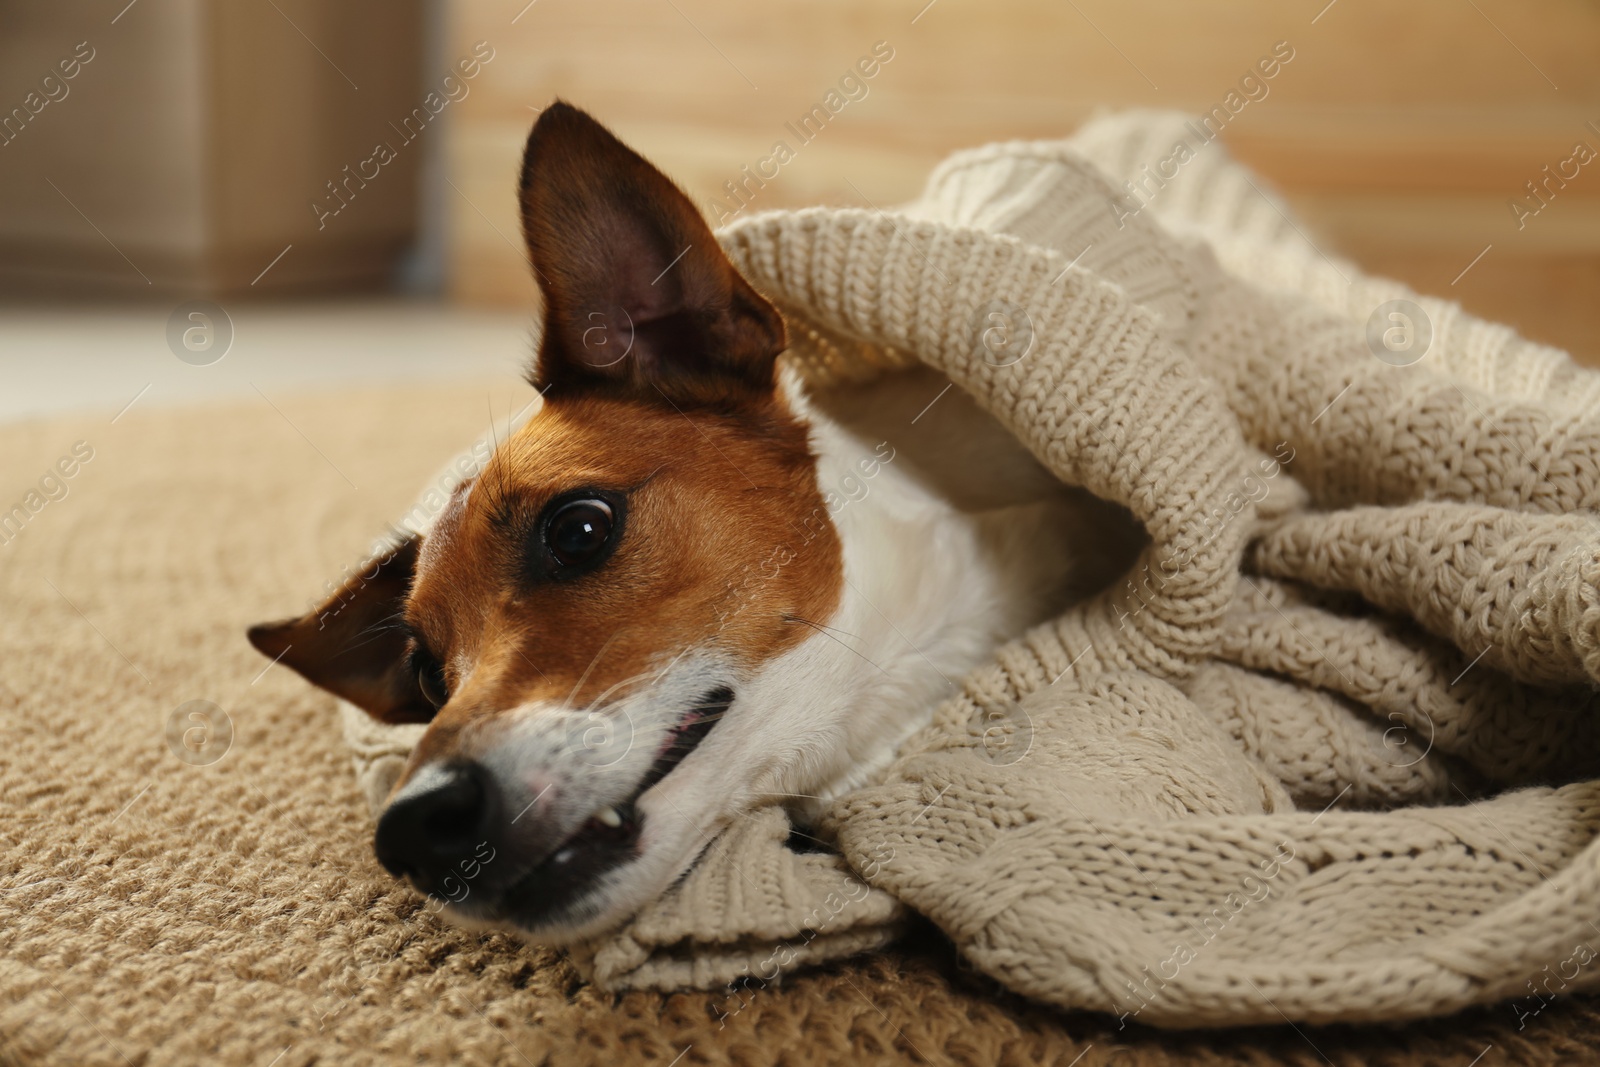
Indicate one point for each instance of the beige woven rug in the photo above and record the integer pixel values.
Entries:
(156, 912)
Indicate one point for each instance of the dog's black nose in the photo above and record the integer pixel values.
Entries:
(439, 830)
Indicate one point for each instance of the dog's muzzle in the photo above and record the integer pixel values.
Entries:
(459, 840)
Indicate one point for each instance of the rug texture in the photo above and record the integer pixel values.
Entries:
(159, 911)
(1329, 752)
(177, 887)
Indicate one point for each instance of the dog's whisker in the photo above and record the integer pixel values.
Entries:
(584, 677)
(593, 705)
(357, 646)
(369, 635)
(498, 490)
(384, 625)
(673, 662)
(830, 629)
(824, 631)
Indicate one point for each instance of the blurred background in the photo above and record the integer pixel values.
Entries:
(329, 184)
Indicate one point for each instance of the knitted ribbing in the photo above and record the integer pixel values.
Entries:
(1256, 239)
(1366, 586)
(1423, 696)
(1103, 402)
(1279, 362)
(1447, 566)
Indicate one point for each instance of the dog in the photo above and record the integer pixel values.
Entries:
(689, 585)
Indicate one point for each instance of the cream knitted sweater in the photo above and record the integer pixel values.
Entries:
(1287, 768)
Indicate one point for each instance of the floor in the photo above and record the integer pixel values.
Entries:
(69, 358)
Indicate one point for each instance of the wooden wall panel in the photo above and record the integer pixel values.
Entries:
(1399, 130)
(186, 154)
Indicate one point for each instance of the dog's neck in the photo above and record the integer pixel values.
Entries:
(955, 539)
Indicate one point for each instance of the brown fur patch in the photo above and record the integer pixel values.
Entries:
(350, 646)
(726, 540)
(660, 360)
(639, 299)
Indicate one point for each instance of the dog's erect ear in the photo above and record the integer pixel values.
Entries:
(351, 646)
(638, 295)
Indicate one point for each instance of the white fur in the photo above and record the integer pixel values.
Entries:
(957, 544)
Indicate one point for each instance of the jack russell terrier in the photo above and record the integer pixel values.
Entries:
(688, 585)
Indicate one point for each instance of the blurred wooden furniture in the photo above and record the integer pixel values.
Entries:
(1400, 131)
(185, 153)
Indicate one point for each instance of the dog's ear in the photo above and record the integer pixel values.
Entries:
(638, 296)
(351, 646)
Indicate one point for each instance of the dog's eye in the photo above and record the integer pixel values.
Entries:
(579, 532)
(430, 679)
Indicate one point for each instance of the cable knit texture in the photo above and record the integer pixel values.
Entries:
(153, 912)
(1328, 751)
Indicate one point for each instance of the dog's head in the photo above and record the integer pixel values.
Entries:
(601, 623)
